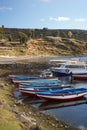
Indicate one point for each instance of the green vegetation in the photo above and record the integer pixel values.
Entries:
(2, 33)
(10, 37)
(23, 38)
(8, 121)
(48, 46)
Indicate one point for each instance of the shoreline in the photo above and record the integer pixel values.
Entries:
(47, 121)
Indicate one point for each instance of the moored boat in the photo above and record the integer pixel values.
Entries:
(17, 81)
(43, 83)
(23, 76)
(20, 78)
(74, 67)
(46, 74)
(33, 90)
(68, 94)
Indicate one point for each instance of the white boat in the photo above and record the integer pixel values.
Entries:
(74, 67)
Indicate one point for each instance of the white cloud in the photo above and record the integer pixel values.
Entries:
(60, 19)
(80, 20)
(5, 8)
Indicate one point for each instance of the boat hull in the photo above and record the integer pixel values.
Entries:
(60, 74)
(15, 81)
(80, 77)
(62, 98)
(69, 94)
(30, 93)
(33, 91)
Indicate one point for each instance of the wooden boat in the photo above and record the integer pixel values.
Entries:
(46, 74)
(42, 83)
(33, 90)
(72, 67)
(20, 78)
(68, 94)
(17, 81)
(23, 76)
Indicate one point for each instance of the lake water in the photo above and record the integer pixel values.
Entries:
(74, 115)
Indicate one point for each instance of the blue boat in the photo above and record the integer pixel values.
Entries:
(33, 79)
(69, 94)
(26, 78)
(21, 77)
(74, 67)
(42, 83)
(58, 72)
(32, 90)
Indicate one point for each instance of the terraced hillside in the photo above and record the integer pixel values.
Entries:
(48, 46)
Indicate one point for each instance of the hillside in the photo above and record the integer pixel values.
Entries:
(48, 46)
(42, 42)
(56, 46)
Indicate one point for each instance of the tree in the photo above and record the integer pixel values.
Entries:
(41, 35)
(23, 37)
(45, 29)
(30, 34)
(70, 34)
(2, 33)
(10, 38)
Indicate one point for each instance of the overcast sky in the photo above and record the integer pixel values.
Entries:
(52, 14)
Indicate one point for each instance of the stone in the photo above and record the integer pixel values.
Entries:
(26, 119)
(15, 109)
(37, 127)
(19, 102)
(1, 86)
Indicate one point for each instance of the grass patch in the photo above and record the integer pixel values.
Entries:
(8, 121)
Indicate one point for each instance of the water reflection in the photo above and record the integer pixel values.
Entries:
(59, 104)
(73, 115)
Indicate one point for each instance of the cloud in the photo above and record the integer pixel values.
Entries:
(5, 8)
(59, 19)
(80, 20)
